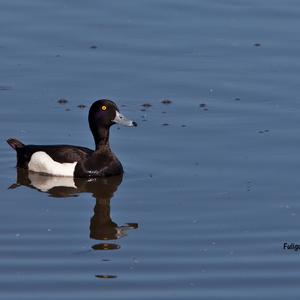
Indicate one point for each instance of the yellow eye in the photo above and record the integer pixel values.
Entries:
(104, 107)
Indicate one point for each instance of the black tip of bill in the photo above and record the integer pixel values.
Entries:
(120, 119)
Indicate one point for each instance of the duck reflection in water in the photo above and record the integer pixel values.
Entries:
(102, 189)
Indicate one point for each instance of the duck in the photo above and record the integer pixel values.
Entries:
(77, 161)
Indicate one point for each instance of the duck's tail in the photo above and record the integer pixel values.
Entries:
(15, 144)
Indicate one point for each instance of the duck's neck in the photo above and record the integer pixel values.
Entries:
(101, 137)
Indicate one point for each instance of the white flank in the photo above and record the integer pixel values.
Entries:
(46, 183)
(41, 162)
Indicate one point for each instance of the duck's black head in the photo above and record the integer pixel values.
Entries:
(103, 114)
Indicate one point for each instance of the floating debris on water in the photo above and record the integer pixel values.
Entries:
(203, 106)
(257, 44)
(147, 104)
(183, 125)
(81, 106)
(248, 186)
(263, 131)
(94, 47)
(165, 124)
(143, 109)
(237, 99)
(62, 101)
(166, 101)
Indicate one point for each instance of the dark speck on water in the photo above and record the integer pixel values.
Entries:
(147, 105)
(263, 131)
(166, 101)
(142, 109)
(94, 47)
(203, 106)
(81, 106)
(237, 99)
(62, 101)
(165, 124)
(257, 44)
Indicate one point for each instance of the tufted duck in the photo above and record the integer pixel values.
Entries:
(67, 160)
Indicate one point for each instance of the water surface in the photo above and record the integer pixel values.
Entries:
(211, 187)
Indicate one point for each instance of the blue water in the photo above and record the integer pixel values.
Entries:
(206, 202)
